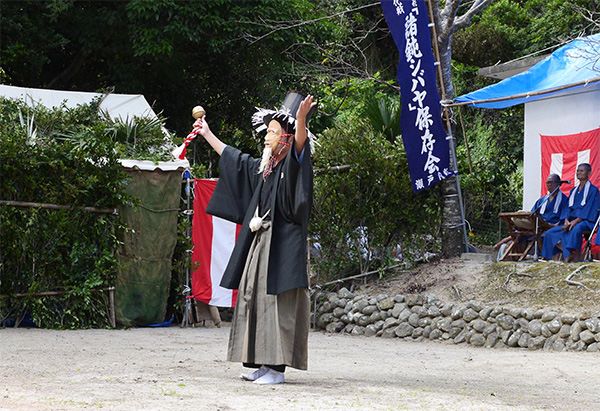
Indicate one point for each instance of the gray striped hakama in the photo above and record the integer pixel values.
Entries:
(268, 329)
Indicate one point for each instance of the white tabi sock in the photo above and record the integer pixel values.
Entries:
(271, 377)
(255, 375)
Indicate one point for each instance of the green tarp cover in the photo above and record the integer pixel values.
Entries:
(144, 277)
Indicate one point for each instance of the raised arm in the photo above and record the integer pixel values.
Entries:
(301, 135)
(208, 135)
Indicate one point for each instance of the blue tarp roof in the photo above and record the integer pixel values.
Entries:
(575, 65)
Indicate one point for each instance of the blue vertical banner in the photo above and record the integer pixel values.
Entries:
(423, 134)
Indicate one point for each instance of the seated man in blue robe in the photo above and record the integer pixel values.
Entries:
(551, 205)
(579, 217)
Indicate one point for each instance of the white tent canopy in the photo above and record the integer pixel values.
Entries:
(116, 105)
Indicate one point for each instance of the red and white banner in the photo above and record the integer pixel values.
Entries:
(213, 239)
(562, 154)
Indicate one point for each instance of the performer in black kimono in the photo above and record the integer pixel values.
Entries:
(271, 197)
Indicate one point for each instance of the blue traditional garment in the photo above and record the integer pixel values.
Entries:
(583, 204)
(550, 209)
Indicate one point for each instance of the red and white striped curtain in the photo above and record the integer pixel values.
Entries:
(562, 154)
(213, 239)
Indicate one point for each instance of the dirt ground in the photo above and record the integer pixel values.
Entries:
(525, 284)
(175, 368)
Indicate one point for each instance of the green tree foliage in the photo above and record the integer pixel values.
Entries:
(366, 215)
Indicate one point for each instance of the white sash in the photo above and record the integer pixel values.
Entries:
(586, 191)
(557, 202)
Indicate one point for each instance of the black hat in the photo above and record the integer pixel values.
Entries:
(286, 115)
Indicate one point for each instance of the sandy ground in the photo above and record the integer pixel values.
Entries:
(174, 368)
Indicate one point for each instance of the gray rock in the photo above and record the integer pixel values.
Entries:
(404, 315)
(470, 314)
(505, 335)
(461, 337)
(379, 333)
(528, 314)
(417, 332)
(454, 331)
(598, 337)
(587, 337)
(420, 310)
(575, 331)
(349, 328)
(459, 323)
(535, 328)
(399, 298)
(370, 330)
(584, 315)
(433, 311)
(423, 322)
(593, 347)
(516, 312)
(549, 316)
(505, 321)
(348, 307)
(447, 309)
(345, 293)
(576, 346)
(489, 329)
(376, 316)
(484, 313)
(536, 343)
(444, 324)
(404, 330)
(342, 302)
(345, 319)
(361, 304)
(379, 325)
(426, 331)
(457, 313)
(324, 320)
(335, 327)
(558, 345)
(325, 307)
(477, 340)
(565, 331)
(363, 320)
(338, 312)
(478, 325)
(435, 334)
(358, 330)
(386, 303)
(546, 331)
(538, 314)
(390, 322)
(513, 340)
(414, 299)
(414, 319)
(385, 314)
(445, 336)
(491, 340)
(496, 311)
(369, 309)
(554, 325)
(550, 342)
(593, 324)
(522, 323)
(373, 301)
(388, 333)
(381, 297)
(523, 340)
(567, 319)
(398, 308)
(475, 305)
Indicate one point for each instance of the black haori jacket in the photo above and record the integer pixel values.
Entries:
(235, 199)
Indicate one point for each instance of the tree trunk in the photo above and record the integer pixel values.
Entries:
(452, 223)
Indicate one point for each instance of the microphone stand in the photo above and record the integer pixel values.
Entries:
(537, 223)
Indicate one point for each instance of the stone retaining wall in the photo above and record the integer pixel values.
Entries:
(417, 317)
